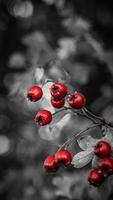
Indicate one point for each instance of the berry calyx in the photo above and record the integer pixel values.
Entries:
(63, 157)
(58, 90)
(77, 100)
(106, 166)
(43, 117)
(34, 93)
(50, 164)
(95, 178)
(102, 149)
(57, 102)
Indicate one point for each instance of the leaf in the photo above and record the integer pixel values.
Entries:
(39, 73)
(46, 100)
(5, 144)
(109, 137)
(82, 158)
(60, 118)
(21, 9)
(95, 162)
(45, 104)
(64, 121)
(64, 77)
(87, 142)
(53, 132)
(49, 134)
(46, 90)
(63, 186)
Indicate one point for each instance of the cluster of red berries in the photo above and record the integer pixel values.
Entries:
(58, 93)
(61, 158)
(105, 167)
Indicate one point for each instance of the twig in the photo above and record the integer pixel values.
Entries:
(64, 108)
(93, 115)
(80, 134)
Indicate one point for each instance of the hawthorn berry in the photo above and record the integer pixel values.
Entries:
(57, 102)
(106, 166)
(34, 93)
(43, 117)
(58, 90)
(95, 178)
(77, 100)
(50, 165)
(63, 157)
(102, 149)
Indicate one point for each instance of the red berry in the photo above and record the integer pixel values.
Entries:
(63, 157)
(77, 100)
(102, 149)
(58, 90)
(43, 117)
(95, 178)
(50, 164)
(57, 102)
(106, 166)
(34, 93)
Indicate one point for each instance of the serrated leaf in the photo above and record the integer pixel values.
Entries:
(82, 158)
(87, 142)
(95, 162)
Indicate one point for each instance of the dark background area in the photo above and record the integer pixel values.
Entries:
(33, 33)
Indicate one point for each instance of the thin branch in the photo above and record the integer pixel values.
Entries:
(83, 113)
(93, 115)
(76, 136)
(89, 117)
(64, 108)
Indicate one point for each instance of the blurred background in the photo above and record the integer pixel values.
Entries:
(63, 40)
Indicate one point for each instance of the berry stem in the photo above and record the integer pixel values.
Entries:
(64, 108)
(93, 115)
(83, 113)
(89, 117)
(78, 135)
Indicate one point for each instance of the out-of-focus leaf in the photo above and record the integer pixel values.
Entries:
(63, 122)
(60, 119)
(67, 47)
(53, 132)
(39, 73)
(4, 144)
(82, 158)
(87, 142)
(58, 73)
(17, 60)
(95, 162)
(46, 90)
(49, 134)
(49, 2)
(21, 9)
(109, 137)
(46, 104)
(46, 100)
(63, 185)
